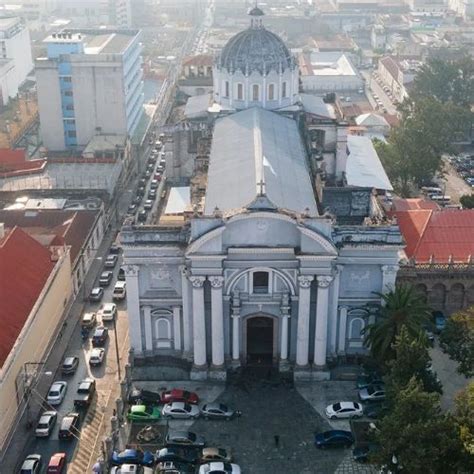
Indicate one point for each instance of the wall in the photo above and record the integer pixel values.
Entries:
(34, 340)
(331, 83)
(19, 49)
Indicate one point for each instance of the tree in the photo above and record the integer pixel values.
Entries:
(422, 438)
(467, 201)
(402, 307)
(411, 360)
(458, 340)
(464, 417)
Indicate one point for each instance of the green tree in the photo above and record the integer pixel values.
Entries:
(402, 307)
(458, 340)
(422, 438)
(464, 417)
(467, 201)
(411, 360)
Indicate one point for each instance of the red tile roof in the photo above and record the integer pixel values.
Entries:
(25, 266)
(199, 60)
(413, 204)
(442, 235)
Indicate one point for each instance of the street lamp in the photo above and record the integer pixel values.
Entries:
(117, 355)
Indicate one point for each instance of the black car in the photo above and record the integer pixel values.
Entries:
(96, 294)
(146, 397)
(70, 365)
(105, 278)
(85, 393)
(152, 194)
(137, 200)
(141, 191)
(121, 275)
(333, 439)
(132, 209)
(100, 336)
(114, 248)
(142, 215)
(175, 454)
(142, 182)
(69, 426)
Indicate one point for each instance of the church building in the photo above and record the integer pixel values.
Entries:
(269, 243)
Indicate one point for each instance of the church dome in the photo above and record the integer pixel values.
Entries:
(255, 49)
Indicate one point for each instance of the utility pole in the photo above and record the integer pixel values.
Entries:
(117, 355)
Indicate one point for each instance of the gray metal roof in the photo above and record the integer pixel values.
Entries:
(255, 146)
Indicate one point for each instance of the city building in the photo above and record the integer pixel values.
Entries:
(196, 75)
(439, 253)
(15, 57)
(90, 83)
(328, 72)
(465, 8)
(35, 288)
(397, 75)
(269, 240)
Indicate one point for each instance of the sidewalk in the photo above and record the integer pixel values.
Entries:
(10, 459)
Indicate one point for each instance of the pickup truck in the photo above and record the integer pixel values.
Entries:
(85, 393)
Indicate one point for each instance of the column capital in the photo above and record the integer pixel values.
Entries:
(197, 281)
(389, 269)
(324, 281)
(131, 270)
(305, 280)
(216, 281)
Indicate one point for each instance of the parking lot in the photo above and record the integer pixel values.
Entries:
(272, 409)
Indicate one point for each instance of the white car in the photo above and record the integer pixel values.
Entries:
(57, 393)
(344, 410)
(46, 424)
(219, 468)
(181, 410)
(97, 356)
(108, 312)
(131, 469)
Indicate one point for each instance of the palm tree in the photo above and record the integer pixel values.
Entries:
(402, 307)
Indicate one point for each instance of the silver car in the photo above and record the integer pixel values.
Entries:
(180, 410)
(218, 411)
(46, 424)
(57, 393)
(372, 393)
(184, 438)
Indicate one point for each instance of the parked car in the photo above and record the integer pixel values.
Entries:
(69, 426)
(372, 393)
(132, 208)
(184, 438)
(57, 463)
(121, 275)
(108, 312)
(180, 410)
(96, 294)
(141, 190)
(46, 424)
(32, 464)
(97, 356)
(154, 184)
(218, 411)
(114, 248)
(363, 453)
(366, 379)
(100, 336)
(142, 215)
(179, 395)
(219, 468)
(375, 410)
(131, 469)
(177, 454)
(142, 182)
(138, 396)
(146, 413)
(56, 393)
(85, 393)
(333, 439)
(344, 410)
(70, 365)
(216, 454)
(105, 278)
(111, 261)
(120, 291)
(132, 456)
(175, 467)
(89, 320)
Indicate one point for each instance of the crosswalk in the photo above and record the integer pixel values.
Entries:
(89, 446)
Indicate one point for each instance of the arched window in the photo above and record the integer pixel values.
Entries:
(226, 94)
(255, 92)
(283, 90)
(271, 92)
(437, 297)
(422, 291)
(240, 92)
(163, 330)
(260, 282)
(456, 297)
(355, 329)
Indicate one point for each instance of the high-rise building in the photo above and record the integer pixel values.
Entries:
(90, 83)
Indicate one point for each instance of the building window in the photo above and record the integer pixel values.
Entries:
(283, 90)
(357, 324)
(260, 282)
(67, 79)
(71, 134)
(255, 93)
(68, 93)
(226, 94)
(240, 92)
(69, 107)
(271, 92)
(163, 330)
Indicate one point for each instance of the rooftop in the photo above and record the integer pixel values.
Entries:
(326, 64)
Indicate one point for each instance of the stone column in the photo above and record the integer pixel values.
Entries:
(285, 315)
(341, 349)
(148, 329)
(389, 275)
(236, 328)
(186, 310)
(321, 333)
(177, 328)
(217, 319)
(302, 342)
(199, 322)
(334, 309)
(133, 309)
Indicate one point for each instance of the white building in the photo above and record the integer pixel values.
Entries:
(465, 8)
(90, 83)
(15, 56)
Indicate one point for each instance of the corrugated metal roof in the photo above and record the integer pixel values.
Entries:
(315, 105)
(257, 150)
(197, 106)
(363, 167)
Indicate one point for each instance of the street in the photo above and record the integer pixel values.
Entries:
(372, 87)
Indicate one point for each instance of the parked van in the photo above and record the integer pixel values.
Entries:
(120, 290)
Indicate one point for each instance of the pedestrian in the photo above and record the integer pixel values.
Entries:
(276, 438)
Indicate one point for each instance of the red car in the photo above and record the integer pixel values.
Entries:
(57, 463)
(179, 395)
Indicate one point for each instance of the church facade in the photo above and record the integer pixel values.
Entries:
(269, 256)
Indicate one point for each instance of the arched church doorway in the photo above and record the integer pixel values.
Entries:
(260, 340)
